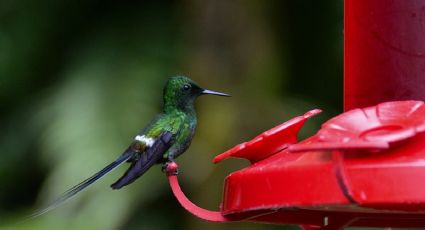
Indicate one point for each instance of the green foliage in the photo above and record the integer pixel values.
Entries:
(78, 79)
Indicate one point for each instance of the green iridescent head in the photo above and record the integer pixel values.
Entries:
(180, 93)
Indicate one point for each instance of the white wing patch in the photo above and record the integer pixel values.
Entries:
(147, 140)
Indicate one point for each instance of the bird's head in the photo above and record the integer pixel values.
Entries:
(180, 92)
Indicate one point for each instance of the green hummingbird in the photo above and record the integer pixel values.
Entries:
(166, 137)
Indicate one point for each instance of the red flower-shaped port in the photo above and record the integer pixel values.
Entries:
(270, 142)
(372, 128)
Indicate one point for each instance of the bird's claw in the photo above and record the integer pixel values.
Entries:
(170, 168)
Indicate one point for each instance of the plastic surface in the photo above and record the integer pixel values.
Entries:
(352, 185)
(269, 142)
(373, 128)
(384, 51)
(171, 171)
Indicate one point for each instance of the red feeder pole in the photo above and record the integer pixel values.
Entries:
(384, 51)
(364, 167)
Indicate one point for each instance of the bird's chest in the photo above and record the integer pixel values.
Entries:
(183, 137)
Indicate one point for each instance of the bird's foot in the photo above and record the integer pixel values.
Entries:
(170, 168)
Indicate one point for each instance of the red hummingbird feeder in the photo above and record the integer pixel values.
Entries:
(364, 167)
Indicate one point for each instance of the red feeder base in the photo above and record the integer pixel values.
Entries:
(363, 168)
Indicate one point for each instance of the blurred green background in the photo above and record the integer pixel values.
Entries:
(78, 79)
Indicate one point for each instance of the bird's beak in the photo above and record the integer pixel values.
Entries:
(206, 91)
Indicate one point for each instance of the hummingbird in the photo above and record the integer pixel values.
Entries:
(165, 138)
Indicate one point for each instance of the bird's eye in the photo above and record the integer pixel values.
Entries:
(186, 87)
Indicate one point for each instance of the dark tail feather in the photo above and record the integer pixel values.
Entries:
(81, 186)
(137, 169)
(150, 157)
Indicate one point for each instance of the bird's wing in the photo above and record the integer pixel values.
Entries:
(84, 184)
(148, 158)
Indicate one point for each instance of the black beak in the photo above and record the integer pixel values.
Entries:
(206, 91)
